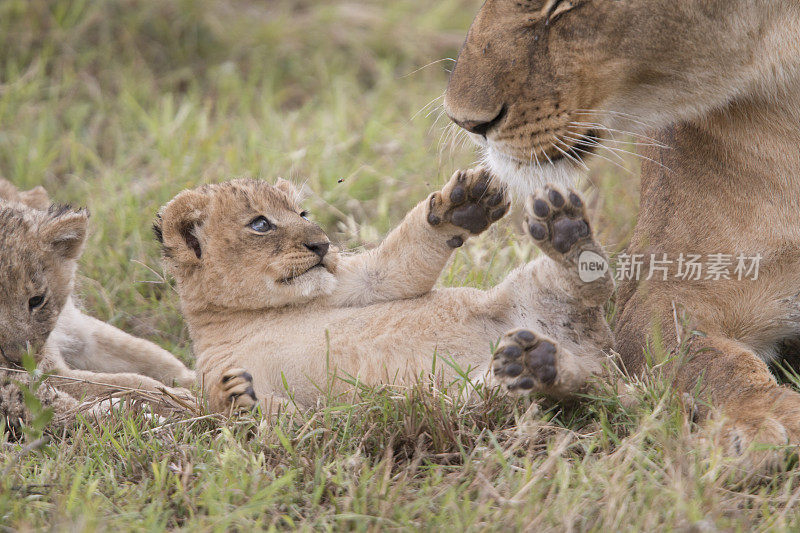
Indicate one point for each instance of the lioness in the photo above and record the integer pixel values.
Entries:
(266, 295)
(39, 249)
(542, 84)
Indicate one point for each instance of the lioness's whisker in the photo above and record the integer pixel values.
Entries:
(597, 125)
(423, 108)
(436, 121)
(423, 67)
(595, 154)
(591, 140)
(579, 161)
(433, 110)
(453, 132)
(444, 137)
(544, 152)
(633, 118)
(635, 142)
(634, 154)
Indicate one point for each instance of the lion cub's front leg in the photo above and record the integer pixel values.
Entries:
(411, 258)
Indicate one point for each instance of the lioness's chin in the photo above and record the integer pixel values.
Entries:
(525, 178)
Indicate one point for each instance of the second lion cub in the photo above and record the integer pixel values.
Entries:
(267, 298)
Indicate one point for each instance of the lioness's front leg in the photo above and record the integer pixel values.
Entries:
(761, 418)
(410, 260)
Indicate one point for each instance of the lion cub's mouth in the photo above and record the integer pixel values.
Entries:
(289, 279)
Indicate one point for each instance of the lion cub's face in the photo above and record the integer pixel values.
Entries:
(244, 245)
(38, 254)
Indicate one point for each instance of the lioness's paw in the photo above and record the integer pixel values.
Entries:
(469, 202)
(237, 390)
(526, 362)
(556, 219)
(760, 443)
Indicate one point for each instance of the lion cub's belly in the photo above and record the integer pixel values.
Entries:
(391, 342)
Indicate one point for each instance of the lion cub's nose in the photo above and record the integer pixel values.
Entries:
(319, 248)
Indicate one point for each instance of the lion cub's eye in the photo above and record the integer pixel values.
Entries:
(261, 225)
(35, 302)
(304, 214)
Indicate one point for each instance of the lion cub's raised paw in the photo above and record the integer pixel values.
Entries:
(525, 361)
(469, 202)
(235, 391)
(556, 220)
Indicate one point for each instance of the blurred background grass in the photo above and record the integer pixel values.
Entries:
(117, 105)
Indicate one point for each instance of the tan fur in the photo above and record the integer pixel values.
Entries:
(39, 249)
(15, 413)
(374, 315)
(720, 81)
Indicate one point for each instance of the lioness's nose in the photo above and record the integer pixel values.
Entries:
(480, 127)
(319, 248)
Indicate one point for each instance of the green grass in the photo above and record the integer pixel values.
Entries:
(118, 105)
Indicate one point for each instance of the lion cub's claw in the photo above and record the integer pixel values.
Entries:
(524, 361)
(237, 389)
(555, 218)
(468, 201)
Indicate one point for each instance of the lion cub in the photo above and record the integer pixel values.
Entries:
(39, 249)
(267, 297)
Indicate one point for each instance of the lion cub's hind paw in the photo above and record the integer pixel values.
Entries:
(470, 202)
(237, 390)
(556, 219)
(526, 362)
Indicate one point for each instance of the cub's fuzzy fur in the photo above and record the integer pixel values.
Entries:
(12, 401)
(267, 298)
(39, 249)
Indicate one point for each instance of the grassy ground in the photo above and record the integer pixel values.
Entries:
(118, 105)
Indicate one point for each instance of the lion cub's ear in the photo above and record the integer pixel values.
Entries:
(36, 198)
(7, 190)
(65, 231)
(288, 188)
(178, 223)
